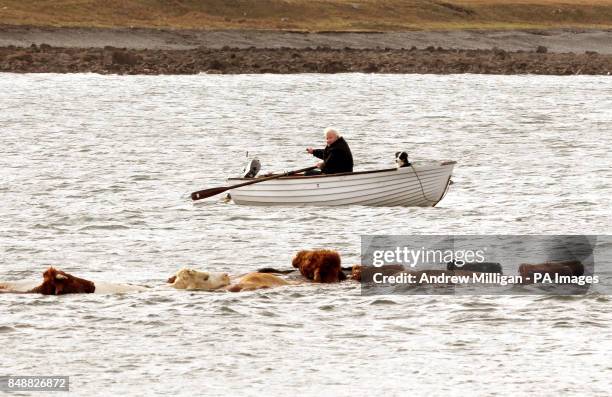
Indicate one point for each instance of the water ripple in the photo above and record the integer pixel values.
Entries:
(95, 176)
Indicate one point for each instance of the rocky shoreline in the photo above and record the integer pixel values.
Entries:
(111, 60)
(555, 40)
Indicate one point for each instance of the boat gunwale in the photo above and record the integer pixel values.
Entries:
(357, 183)
(441, 164)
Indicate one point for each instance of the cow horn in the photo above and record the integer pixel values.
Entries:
(60, 277)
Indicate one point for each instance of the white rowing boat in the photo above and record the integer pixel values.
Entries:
(418, 185)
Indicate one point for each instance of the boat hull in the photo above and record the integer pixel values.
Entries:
(416, 186)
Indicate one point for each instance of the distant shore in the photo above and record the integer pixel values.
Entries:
(27, 49)
(555, 40)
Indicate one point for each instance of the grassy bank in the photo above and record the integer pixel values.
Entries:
(312, 15)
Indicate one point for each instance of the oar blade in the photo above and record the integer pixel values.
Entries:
(202, 194)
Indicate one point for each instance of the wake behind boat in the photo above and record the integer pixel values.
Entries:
(418, 185)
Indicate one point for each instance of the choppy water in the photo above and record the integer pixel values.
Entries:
(95, 173)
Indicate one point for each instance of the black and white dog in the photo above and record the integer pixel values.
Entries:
(401, 159)
(252, 168)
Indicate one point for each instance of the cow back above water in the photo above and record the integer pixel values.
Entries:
(528, 271)
(256, 280)
(366, 273)
(575, 265)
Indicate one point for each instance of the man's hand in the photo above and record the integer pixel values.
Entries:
(310, 150)
(320, 164)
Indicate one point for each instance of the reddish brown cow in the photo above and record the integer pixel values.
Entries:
(528, 271)
(56, 282)
(322, 266)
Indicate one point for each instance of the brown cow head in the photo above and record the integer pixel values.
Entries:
(322, 266)
(57, 282)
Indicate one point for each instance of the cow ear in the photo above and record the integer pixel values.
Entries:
(397, 153)
(60, 277)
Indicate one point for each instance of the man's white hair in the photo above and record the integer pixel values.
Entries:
(330, 130)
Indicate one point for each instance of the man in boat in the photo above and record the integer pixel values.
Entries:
(336, 156)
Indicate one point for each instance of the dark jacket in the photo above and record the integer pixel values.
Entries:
(336, 157)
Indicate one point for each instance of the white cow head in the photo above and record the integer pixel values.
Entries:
(193, 279)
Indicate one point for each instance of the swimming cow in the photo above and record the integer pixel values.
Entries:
(321, 266)
(57, 282)
(197, 280)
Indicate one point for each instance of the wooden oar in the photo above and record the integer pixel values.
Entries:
(202, 194)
